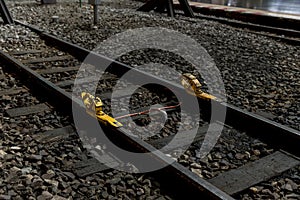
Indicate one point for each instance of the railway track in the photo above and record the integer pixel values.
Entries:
(286, 32)
(40, 72)
(288, 36)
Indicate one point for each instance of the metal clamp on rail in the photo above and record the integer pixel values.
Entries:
(94, 108)
(193, 86)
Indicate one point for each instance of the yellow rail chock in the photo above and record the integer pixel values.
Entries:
(94, 107)
(193, 86)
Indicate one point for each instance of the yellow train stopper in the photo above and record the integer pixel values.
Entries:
(193, 86)
(94, 108)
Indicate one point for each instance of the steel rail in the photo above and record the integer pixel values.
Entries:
(4, 12)
(286, 35)
(282, 26)
(286, 30)
(285, 27)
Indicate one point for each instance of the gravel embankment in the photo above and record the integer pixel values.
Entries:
(260, 74)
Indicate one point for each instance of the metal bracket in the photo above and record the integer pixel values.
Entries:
(5, 13)
(162, 5)
(95, 4)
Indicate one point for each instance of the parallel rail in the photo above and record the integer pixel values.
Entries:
(283, 29)
(5, 14)
(281, 26)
